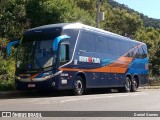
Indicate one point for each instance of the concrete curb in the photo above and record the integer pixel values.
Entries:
(10, 93)
(151, 87)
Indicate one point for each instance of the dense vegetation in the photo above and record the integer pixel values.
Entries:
(148, 22)
(18, 15)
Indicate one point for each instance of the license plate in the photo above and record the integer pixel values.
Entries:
(31, 85)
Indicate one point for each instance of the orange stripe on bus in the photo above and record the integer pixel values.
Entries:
(119, 66)
(33, 76)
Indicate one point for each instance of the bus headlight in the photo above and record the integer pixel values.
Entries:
(47, 77)
(17, 77)
(51, 75)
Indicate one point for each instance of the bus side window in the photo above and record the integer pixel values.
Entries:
(141, 51)
(113, 47)
(86, 42)
(100, 45)
(124, 48)
(64, 53)
(137, 54)
(144, 48)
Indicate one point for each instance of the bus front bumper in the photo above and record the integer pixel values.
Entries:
(40, 85)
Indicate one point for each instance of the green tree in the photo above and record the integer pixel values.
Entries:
(87, 5)
(41, 12)
(122, 22)
(13, 19)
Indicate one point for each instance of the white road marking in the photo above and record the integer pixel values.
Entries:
(101, 97)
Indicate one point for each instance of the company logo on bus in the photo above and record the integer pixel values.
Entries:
(29, 66)
(89, 59)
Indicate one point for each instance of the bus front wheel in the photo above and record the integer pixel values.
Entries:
(78, 87)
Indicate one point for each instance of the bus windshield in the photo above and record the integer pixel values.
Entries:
(35, 55)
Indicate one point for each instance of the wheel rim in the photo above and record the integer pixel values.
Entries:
(79, 86)
(128, 84)
(135, 85)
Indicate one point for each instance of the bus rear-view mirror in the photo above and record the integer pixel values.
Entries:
(10, 44)
(57, 40)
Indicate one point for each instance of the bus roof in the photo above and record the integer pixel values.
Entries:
(79, 26)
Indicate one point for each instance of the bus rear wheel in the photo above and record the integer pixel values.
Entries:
(78, 88)
(134, 85)
(127, 85)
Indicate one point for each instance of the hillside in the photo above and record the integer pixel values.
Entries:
(148, 22)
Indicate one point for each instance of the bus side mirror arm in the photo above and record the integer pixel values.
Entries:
(10, 45)
(57, 41)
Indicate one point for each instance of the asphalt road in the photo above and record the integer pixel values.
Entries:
(143, 100)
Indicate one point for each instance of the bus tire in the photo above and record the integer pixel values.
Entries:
(127, 85)
(134, 85)
(78, 88)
